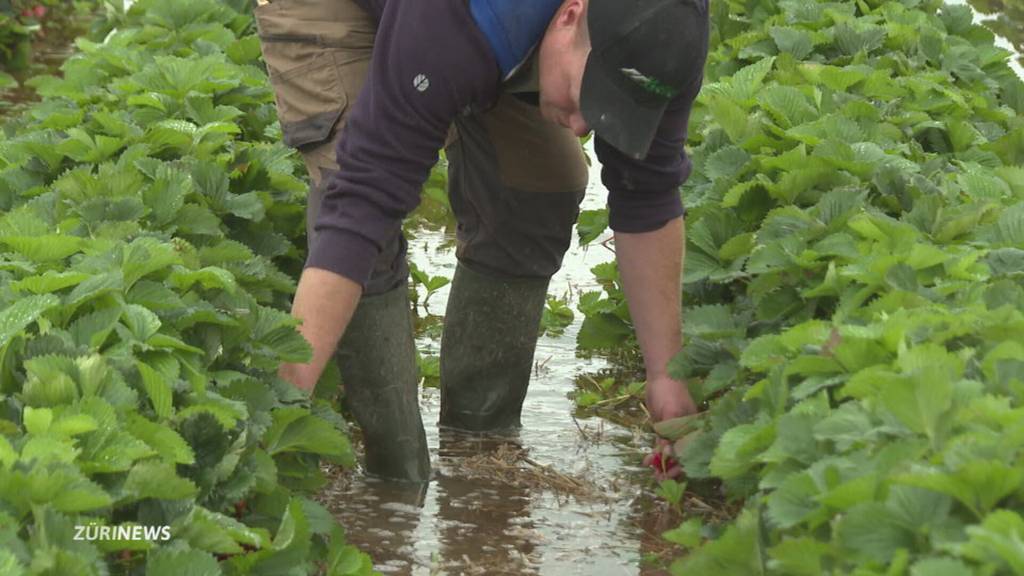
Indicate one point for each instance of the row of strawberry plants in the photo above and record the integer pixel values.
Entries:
(150, 233)
(856, 254)
(854, 301)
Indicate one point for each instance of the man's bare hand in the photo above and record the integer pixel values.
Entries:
(666, 399)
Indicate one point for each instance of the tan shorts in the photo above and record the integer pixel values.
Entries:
(515, 180)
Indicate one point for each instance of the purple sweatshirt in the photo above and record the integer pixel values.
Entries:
(394, 131)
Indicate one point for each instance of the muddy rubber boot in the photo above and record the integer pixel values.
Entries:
(377, 361)
(490, 333)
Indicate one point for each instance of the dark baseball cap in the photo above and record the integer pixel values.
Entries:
(643, 53)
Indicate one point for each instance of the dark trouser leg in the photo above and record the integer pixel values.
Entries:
(515, 182)
(317, 54)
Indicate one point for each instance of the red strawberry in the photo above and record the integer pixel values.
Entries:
(39, 11)
(240, 507)
(659, 462)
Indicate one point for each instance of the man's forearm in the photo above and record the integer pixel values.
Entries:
(650, 264)
(325, 302)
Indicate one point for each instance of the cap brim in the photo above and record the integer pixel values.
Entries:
(614, 115)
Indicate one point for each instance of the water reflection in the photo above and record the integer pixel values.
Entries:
(380, 517)
(485, 524)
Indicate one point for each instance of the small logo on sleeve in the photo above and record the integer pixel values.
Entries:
(421, 82)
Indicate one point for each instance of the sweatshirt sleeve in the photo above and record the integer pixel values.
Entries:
(644, 194)
(429, 63)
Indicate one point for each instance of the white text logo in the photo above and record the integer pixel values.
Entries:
(97, 532)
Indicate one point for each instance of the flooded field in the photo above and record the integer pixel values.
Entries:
(564, 495)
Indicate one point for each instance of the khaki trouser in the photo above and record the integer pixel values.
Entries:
(515, 180)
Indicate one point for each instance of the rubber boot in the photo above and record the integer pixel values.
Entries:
(490, 334)
(377, 361)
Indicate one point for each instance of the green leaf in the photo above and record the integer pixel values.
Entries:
(873, 531)
(732, 118)
(978, 484)
(795, 41)
(163, 440)
(37, 420)
(211, 180)
(739, 447)
(671, 491)
(713, 321)
(983, 186)
(249, 206)
(198, 220)
(764, 352)
(142, 322)
(145, 256)
(92, 329)
(936, 566)
(50, 281)
(737, 552)
(920, 399)
(7, 81)
(591, 224)
(1011, 225)
(95, 286)
(747, 81)
(165, 561)
(802, 556)
(7, 454)
(158, 390)
(69, 425)
(726, 162)
(1000, 538)
(294, 528)
(687, 534)
(50, 381)
(847, 426)
(151, 99)
(214, 532)
(165, 196)
(793, 501)
(602, 331)
(209, 277)
(25, 311)
(159, 480)
(788, 106)
(47, 248)
(86, 148)
(245, 50)
(851, 39)
(296, 430)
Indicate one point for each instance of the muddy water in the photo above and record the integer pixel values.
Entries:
(561, 496)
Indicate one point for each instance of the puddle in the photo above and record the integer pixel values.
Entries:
(561, 496)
